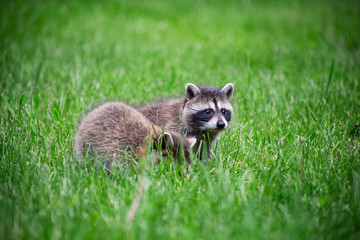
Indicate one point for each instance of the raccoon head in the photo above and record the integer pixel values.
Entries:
(171, 143)
(207, 109)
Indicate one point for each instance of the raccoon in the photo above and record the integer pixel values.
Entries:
(203, 113)
(114, 129)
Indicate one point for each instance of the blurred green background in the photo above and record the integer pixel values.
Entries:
(287, 169)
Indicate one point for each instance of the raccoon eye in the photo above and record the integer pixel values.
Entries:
(226, 113)
(208, 111)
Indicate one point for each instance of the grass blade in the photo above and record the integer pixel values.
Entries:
(329, 78)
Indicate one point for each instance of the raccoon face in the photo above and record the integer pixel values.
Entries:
(207, 109)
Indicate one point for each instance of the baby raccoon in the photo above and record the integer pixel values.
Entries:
(203, 113)
(116, 129)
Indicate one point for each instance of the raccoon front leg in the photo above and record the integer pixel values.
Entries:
(203, 146)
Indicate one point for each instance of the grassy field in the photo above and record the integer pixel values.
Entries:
(288, 168)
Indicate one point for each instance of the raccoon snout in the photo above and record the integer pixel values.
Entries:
(220, 124)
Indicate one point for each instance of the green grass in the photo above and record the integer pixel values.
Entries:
(289, 167)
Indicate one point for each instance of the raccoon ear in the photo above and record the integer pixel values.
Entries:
(191, 90)
(166, 140)
(228, 90)
(191, 141)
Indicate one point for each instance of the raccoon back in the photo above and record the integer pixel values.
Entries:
(112, 127)
(165, 113)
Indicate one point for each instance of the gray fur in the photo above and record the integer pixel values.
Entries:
(114, 129)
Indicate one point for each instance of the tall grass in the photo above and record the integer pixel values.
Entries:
(287, 169)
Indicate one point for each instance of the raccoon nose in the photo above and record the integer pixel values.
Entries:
(220, 124)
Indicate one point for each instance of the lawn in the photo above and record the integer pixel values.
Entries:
(288, 167)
